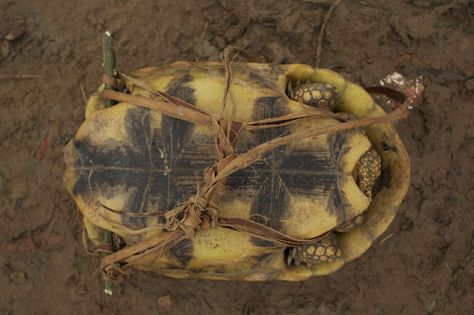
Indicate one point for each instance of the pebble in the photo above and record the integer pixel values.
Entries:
(165, 303)
(18, 277)
(469, 84)
(4, 49)
(19, 190)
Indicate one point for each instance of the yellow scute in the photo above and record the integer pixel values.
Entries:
(221, 246)
(308, 217)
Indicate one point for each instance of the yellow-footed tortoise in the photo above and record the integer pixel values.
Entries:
(127, 165)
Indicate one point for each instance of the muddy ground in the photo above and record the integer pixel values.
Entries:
(425, 264)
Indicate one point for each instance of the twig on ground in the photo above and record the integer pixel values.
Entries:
(83, 92)
(110, 76)
(20, 76)
(321, 32)
(386, 238)
(110, 72)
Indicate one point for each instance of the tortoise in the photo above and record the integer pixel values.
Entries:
(342, 189)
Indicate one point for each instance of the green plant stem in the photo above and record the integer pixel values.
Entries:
(108, 63)
(110, 71)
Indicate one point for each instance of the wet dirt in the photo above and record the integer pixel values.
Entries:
(425, 262)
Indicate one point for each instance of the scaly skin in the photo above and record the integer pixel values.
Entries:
(323, 251)
(313, 94)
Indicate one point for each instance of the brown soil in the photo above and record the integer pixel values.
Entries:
(425, 264)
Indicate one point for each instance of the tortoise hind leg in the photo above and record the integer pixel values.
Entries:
(368, 170)
(325, 250)
(366, 173)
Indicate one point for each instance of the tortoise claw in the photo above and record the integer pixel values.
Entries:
(289, 89)
(289, 259)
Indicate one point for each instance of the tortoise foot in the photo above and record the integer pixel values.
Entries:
(368, 170)
(325, 250)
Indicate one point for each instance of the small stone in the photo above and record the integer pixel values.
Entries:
(165, 303)
(469, 84)
(19, 190)
(4, 49)
(323, 258)
(16, 29)
(23, 245)
(18, 277)
(82, 289)
(323, 309)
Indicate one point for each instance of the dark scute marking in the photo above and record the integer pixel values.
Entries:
(81, 188)
(71, 154)
(270, 107)
(129, 165)
(176, 132)
(283, 172)
(264, 257)
(220, 270)
(99, 155)
(137, 124)
(102, 159)
(260, 242)
(337, 142)
(261, 79)
(384, 180)
(183, 185)
(162, 166)
(178, 88)
(388, 147)
(175, 135)
(336, 204)
(148, 188)
(310, 184)
(305, 161)
(271, 202)
(161, 218)
(183, 251)
(245, 182)
(198, 153)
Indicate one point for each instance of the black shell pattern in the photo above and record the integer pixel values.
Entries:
(170, 161)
